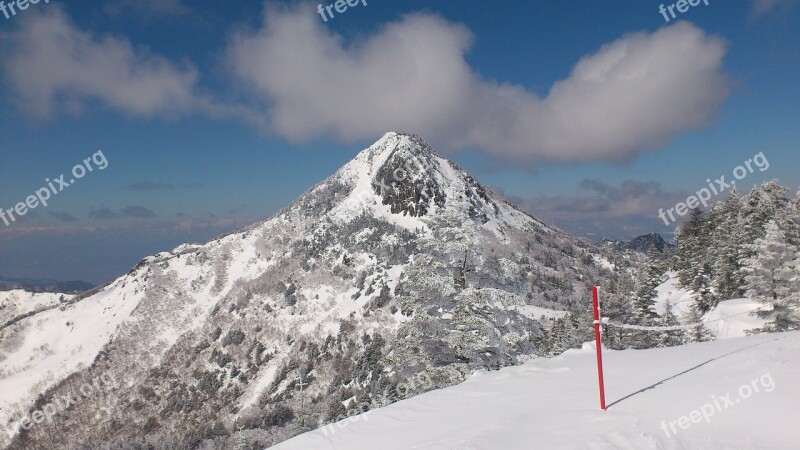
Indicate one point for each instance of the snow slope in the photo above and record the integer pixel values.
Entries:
(18, 302)
(729, 319)
(679, 298)
(552, 403)
(43, 349)
(732, 318)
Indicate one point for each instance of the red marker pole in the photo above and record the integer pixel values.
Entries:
(596, 304)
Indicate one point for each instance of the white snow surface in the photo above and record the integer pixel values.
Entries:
(729, 319)
(18, 302)
(732, 318)
(45, 348)
(679, 298)
(553, 403)
(604, 262)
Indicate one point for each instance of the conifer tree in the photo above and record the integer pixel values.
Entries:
(644, 304)
(793, 221)
(772, 278)
(670, 338)
(699, 333)
(763, 204)
(691, 247)
(702, 288)
(727, 276)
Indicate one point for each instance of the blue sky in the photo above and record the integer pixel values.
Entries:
(213, 115)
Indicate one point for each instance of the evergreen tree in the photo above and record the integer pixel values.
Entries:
(728, 278)
(762, 205)
(557, 337)
(691, 247)
(670, 338)
(793, 221)
(618, 308)
(772, 278)
(702, 288)
(644, 305)
(699, 333)
(455, 239)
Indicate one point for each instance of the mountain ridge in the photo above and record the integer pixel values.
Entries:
(641, 244)
(349, 290)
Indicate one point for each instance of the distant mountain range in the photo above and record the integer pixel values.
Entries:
(61, 287)
(640, 244)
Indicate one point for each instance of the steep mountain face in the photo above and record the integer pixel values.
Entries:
(646, 242)
(641, 244)
(398, 267)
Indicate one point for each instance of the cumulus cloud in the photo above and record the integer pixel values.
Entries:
(52, 64)
(631, 95)
(305, 81)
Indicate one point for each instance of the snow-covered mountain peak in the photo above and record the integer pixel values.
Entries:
(399, 264)
(401, 179)
(409, 145)
(393, 147)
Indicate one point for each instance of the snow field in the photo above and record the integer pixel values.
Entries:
(553, 403)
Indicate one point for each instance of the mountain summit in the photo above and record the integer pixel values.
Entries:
(641, 244)
(398, 274)
(401, 179)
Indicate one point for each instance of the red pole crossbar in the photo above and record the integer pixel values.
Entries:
(596, 304)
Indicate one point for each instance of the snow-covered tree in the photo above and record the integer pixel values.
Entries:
(455, 239)
(762, 205)
(772, 278)
(702, 288)
(669, 338)
(699, 333)
(692, 245)
(728, 279)
(793, 221)
(652, 276)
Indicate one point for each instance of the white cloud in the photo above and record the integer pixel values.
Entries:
(761, 7)
(634, 94)
(52, 64)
